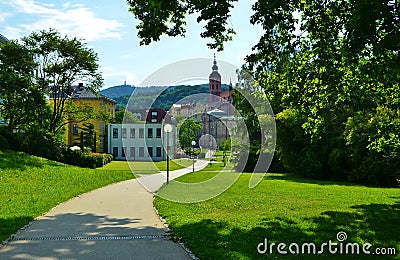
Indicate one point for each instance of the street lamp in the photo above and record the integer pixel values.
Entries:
(167, 130)
(193, 144)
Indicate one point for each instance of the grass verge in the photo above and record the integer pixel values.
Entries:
(146, 167)
(284, 208)
(30, 186)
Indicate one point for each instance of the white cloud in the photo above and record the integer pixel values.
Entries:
(73, 20)
(4, 16)
(12, 33)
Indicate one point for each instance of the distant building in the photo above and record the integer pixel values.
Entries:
(218, 117)
(152, 115)
(82, 96)
(142, 142)
(188, 110)
(217, 96)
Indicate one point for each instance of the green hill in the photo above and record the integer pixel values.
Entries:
(154, 96)
(118, 91)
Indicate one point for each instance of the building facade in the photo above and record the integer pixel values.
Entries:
(216, 95)
(83, 96)
(141, 142)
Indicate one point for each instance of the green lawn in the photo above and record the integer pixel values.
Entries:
(283, 208)
(30, 186)
(147, 167)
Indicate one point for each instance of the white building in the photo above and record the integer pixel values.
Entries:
(141, 142)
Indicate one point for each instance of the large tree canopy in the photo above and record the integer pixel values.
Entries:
(60, 63)
(45, 65)
(331, 71)
(160, 17)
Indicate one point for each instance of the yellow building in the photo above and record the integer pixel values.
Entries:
(82, 96)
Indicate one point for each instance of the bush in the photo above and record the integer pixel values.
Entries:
(80, 159)
(4, 143)
(102, 159)
(40, 143)
(373, 140)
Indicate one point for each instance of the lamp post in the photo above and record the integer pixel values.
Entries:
(167, 130)
(193, 144)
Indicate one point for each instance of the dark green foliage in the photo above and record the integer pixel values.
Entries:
(157, 18)
(123, 116)
(374, 144)
(118, 91)
(326, 83)
(41, 143)
(3, 143)
(187, 134)
(78, 158)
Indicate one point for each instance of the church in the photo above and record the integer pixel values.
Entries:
(217, 97)
(218, 116)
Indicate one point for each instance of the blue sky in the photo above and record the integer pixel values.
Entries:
(108, 28)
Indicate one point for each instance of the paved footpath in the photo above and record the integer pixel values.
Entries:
(114, 222)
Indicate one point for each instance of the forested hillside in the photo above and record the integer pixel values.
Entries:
(155, 96)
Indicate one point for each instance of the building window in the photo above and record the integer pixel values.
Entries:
(141, 151)
(123, 132)
(141, 132)
(150, 151)
(158, 134)
(133, 152)
(115, 152)
(133, 132)
(75, 129)
(150, 133)
(158, 152)
(154, 116)
(115, 132)
(123, 150)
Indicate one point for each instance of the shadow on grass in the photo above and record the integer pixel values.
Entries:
(22, 161)
(9, 226)
(295, 178)
(377, 224)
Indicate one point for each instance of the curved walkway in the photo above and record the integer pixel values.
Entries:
(114, 222)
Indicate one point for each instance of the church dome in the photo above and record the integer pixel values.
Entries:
(215, 74)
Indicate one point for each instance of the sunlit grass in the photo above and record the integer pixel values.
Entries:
(283, 208)
(139, 167)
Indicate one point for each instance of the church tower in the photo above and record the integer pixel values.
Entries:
(214, 84)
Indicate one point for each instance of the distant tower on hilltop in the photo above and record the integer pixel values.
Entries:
(216, 94)
(215, 82)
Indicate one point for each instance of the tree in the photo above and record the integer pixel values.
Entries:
(187, 133)
(329, 68)
(21, 99)
(60, 63)
(158, 17)
(124, 116)
(41, 66)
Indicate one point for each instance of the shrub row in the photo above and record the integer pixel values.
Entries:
(78, 158)
(44, 145)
